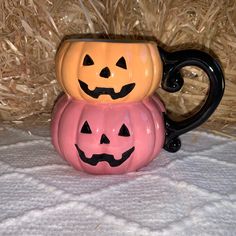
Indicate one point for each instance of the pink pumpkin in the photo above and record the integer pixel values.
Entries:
(108, 138)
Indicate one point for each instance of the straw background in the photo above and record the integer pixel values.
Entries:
(31, 30)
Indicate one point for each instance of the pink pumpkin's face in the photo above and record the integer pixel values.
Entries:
(96, 145)
(107, 139)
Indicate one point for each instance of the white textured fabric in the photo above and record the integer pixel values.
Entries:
(192, 192)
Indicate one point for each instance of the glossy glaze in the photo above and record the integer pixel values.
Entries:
(107, 71)
(109, 85)
(144, 121)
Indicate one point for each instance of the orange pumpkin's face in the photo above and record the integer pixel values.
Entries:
(108, 72)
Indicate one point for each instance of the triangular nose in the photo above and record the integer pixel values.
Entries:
(105, 72)
(104, 139)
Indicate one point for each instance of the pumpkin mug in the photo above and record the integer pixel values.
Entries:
(114, 76)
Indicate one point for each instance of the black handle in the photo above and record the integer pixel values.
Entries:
(172, 81)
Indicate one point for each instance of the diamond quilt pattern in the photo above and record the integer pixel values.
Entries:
(192, 192)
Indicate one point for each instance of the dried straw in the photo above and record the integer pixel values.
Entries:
(32, 30)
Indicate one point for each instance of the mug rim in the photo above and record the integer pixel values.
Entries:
(99, 40)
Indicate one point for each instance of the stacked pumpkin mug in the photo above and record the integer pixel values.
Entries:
(109, 121)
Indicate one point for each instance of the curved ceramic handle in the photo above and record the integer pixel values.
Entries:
(172, 82)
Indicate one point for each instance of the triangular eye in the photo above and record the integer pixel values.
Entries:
(124, 131)
(88, 61)
(121, 63)
(85, 128)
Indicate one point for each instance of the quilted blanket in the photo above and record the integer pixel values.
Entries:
(191, 192)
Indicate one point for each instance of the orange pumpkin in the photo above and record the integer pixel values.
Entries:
(108, 71)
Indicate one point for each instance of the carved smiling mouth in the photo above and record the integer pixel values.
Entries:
(96, 158)
(125, 90)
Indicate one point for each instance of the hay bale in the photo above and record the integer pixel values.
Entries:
(32, 30)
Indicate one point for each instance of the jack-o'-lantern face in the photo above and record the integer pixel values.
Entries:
(104, 142)
(108, 71)
(107, 139)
